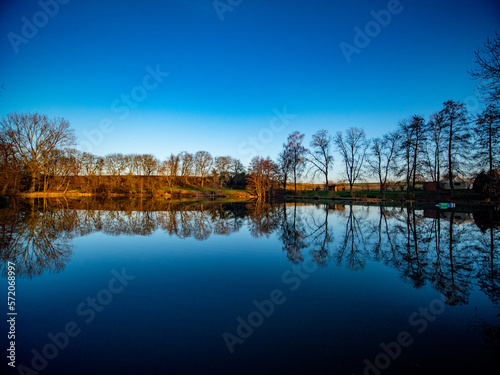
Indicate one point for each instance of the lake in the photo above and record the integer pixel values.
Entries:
(143, 287)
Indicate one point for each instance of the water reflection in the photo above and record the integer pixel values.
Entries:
(35, 240)
(452, 251)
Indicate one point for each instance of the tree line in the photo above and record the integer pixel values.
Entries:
(38, 153)
(449, 143)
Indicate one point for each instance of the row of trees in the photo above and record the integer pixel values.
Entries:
(39, 152)
(450, 142)
(36, 151)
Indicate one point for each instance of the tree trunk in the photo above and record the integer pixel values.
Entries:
(33, 182)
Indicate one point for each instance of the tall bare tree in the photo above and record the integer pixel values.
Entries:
(10, 168)
(487, 131)
(412, 132)
(35, 138)
(487, 69)
(203, 161)
(296, 152)
(284, 166)
(352, 147)
(434, 148)
(222, 167)
(262, 176)
(186, 161)
(457, 136)
(170, 168)
(320, 155)
(383, 156)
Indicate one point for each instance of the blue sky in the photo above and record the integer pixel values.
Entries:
(230, 81)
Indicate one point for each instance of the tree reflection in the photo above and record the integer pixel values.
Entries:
(321, 237)
(450, 250)
(488, 272)
(352, 250)
(36, 241)
(292, 234)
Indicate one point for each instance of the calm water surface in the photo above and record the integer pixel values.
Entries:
(158, 288)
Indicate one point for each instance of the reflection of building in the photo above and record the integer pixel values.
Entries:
(336, 207)
(431, 214)
(459, 218)
(459, 182)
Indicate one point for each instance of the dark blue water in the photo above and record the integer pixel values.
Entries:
(230, 289)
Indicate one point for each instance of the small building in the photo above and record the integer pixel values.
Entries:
(336, 187)
(459, 182)
(429, 186)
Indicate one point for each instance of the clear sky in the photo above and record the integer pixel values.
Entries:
(235, 77)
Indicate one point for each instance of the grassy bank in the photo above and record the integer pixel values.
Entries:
(160, 193)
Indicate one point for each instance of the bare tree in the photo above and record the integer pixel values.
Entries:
(320, 155)
(170, 168)
(10, 168)
(284, 166)
(487, 131)
(237, 176)
(352, 148)
(435, 147)
(186, 161)
(487, 69)
(222, 166)
(202, 163)
(457, 137)
(383, 157)
(412, 133)
(262, 176)
(35, 137)
(296, 152)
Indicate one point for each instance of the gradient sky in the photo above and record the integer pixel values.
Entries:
(229, 78)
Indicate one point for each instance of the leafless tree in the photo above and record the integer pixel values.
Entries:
(170, 168)
(262, 176)
(222, 166)
(35, 138)
(487, 69)
(457, 136)
(186, 161)
(383, 156)
(435, 147)
(203, 161)
(352, 148)
(296, 152)
(487, 130)
(413, 137)
(284, 166)
(320, 155)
